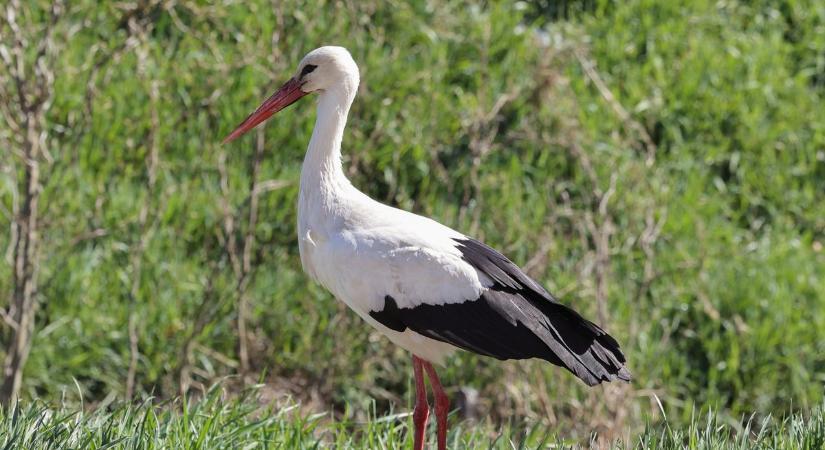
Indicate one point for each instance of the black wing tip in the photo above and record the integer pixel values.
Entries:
(602, 361)
(623, 374)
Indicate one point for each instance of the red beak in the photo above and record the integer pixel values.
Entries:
(288, 94)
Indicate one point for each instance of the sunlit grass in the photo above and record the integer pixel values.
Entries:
(242, 423)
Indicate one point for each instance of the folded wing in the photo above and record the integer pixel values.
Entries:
(512, 318)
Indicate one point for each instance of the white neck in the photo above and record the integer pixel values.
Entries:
(322, 176)
(322, 164)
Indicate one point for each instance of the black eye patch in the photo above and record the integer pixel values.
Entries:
(307, 69)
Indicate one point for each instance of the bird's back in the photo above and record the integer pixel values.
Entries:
(362, 248)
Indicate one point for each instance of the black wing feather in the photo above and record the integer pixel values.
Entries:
(515, 318)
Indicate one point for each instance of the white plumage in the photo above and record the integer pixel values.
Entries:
(371, 251)
(362, 250)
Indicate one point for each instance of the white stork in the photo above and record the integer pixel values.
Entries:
(428, 288)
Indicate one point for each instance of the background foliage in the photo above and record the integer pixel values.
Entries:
(658, 165)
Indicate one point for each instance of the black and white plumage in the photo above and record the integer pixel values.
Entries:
(428, 288)
(514, 319)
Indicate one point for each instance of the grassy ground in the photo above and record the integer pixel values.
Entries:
(660, 166)
(212, 422)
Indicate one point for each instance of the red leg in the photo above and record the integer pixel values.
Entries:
(422, 410)
(442, 406)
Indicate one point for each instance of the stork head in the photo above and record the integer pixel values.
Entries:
(323, 70)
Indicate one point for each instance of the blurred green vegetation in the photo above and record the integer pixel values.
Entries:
(658, 165)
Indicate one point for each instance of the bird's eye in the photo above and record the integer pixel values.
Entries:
(307, 69)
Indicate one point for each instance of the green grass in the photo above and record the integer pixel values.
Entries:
(684, 209)
(214, 422)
